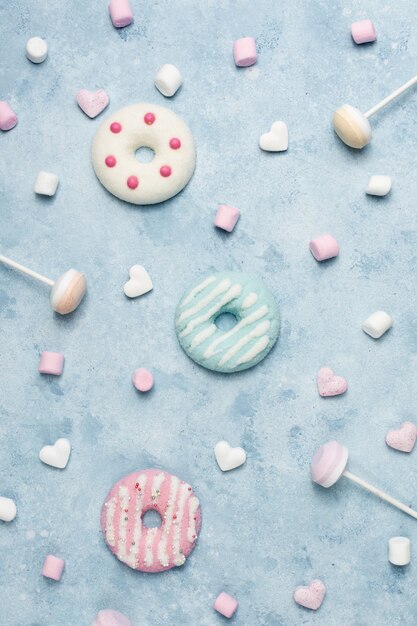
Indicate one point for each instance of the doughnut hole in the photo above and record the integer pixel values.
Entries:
(151, 519)
(144, 154)
(225, 321)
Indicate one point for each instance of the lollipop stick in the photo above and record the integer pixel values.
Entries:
(380, 494)
(391, 97)
(26, 270)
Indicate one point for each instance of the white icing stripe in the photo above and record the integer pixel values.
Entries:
(137, 530)
(157, 483)
(203, 335)
(150, 536)
(162, 551)
(259, 330)
(221, 288)
(198, 289)
(110, 509)
(253, 317)
(250, 300)
(233, 293)
(124, 504)
(179, 558)
(254, 351)
(191, 533)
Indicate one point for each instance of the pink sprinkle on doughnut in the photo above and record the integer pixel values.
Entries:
(115, 127)
(110, 161)
(175, 143)
(149, 118)
(165, 171)
(132, 182)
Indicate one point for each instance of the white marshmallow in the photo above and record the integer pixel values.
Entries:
(379, 185)
(377, 324)
(7, 509)
(46, 183)
(36, 50)
(168, 80)
(399, 550)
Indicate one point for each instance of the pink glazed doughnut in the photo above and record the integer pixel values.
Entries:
(151, 549)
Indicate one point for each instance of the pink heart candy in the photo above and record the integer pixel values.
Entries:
(404, 438)
(92, 102)
(329, 384)
(312, 596)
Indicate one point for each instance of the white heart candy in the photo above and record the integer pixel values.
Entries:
(228, 458)
(139, 282)
(7, 509)
(277, 138)
(56, 455)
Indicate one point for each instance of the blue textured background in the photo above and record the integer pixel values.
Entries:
(266, 527)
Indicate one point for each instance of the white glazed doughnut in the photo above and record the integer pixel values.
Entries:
(136, 126)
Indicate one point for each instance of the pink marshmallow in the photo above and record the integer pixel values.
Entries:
(120, 13)
(363, 31)
(51, 363)
(225, 604)
(244, 51)
(142, 379)
(8, 118)
(53, 567)
(226, 217)
(324, 247)
(108, 617)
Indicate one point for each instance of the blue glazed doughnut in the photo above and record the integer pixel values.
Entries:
(243, 346)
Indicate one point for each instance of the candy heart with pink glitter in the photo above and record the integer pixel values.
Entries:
(312, 596)
(404, 438)
(92, 102)
(329, 384)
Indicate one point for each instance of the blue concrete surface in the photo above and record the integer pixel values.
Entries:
(266, 528)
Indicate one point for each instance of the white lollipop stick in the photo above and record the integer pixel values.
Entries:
(67, 291)
(381, 494)
(26, 270)
(353, 127)
(391, 97)
(329, 464)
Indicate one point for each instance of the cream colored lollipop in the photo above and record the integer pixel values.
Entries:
(67, 291)
(353, 127)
